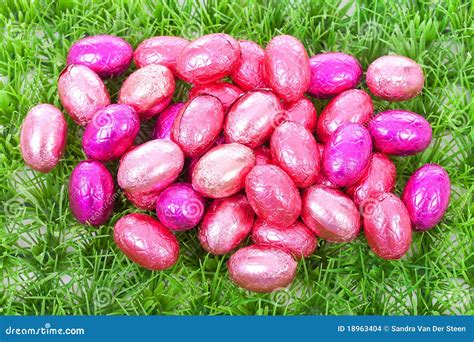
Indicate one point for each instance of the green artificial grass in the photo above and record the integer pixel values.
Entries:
(50, 264)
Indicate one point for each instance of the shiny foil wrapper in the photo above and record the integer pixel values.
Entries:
(262, 268)
(82, 93)
(302, 112)
(426, 196)
(227, 93)
(146, 241)
(330, 214)
(91, 193)
(394, 78)
(262, 155)
(228, 221)
(400, 132)
(164, 122)
(249, 73)
(332, 73)
(286, 67)
(43, 137)
(322, 178)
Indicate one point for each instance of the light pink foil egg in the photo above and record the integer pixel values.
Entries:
(165, 120)
(227, 93)
(148, 90)
(252, 118)
(221, 171)
(149, 168)
(43, 137)
(322, 178)
(302, 112)
(273, 195)
(330, 214)
(198, 124)
(262, 155)
(249, 73)
(262, 268)
(82, 93)
(227, 222)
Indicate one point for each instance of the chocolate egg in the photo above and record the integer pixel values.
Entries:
(426, 196)
(111, 132)
(227, 93)
(146, 241)
(43, 137)
(221, 171)
(148, 90)
(165, 120)
(82, 93)
(262, 155)
(198, 124)
(262, 268)
(322, 178)
(228, 221)
(302, 112)
(91, 193)
(249, 73)
(330, 214)
(273, 195)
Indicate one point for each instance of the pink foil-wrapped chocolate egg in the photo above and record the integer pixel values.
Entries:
(249, 73)
(106, 55)
(165, 120)
(426, 196)
(162, 50)
(273, 195)
(400, 132)
(148, 90)
(380, 177)
(262, 155)
(330, 214)
(91, 193)
(395, 78)
(349, 106)
(221, 171)
(147, 169)
(198, 124)
(298, 239)
(332, 73)
(179, 207)
(302, 112)
(252, 118)
(146, 241)
(43, 137)
(82, 93)
(286, 67)
(262, 268)
(111, 132)
(387, 226)
(295, 150)
(347, 154)
(208, 58)
(227, 222)
(227, 93)
(322, 178)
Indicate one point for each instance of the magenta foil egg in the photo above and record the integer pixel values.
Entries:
(146, 241)
(347, 154)
(111, 132)
(179, 207)
(395, 78)
(295, 150)
(349, 106)
(162, 50)
(400, 132)
(298, 239)
(286, 67)
(302, 112)
(249, 73)
(148, 90)
(332, 73)
(252, 118)
(198, 124)
(330, 214)
(273, 195)
(82, 93)
(147, 169)
(322, 178)
(43, 137)
(91, 193)
(106, 55)
(208, 58)
(387, 226)
(262, 268)
(221, 172)
(426, 196)
(165, 120)
(227, 93)
(228, 221)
